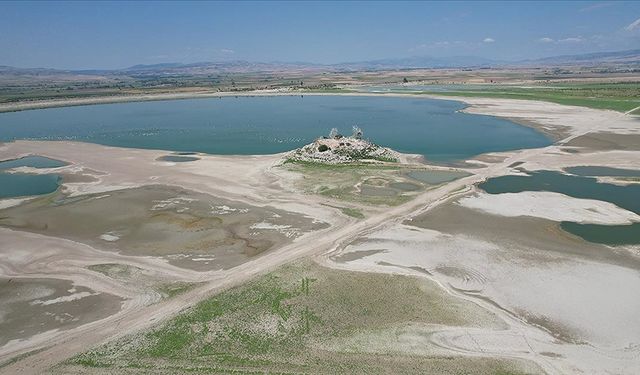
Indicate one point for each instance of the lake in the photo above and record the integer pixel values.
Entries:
(21, 184)
(267, 125)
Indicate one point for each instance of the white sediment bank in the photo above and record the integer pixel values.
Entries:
(551, 206)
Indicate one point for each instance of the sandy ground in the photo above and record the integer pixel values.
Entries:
(552, 118)
(553, 303)
(552, 206)
(250, 180)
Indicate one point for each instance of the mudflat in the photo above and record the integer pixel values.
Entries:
(189, 229)
(33, 306)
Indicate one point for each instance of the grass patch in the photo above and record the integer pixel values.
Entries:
(91, 361)
(287, 321)
(114, 270)
(353, 212)
(170, 290)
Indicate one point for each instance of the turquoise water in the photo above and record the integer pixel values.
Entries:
(602, 171)
(627, 197)
(33, 161)
(605, 234)
(266, 125)
(21, 184)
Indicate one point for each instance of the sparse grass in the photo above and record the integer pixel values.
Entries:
(92, 361)
(21, 357)
(385, 159)
(328, 90)
(114, 270)
(131, 274)
(170, 290)
(338, 167)
(287, 321)
(339, 181)
(353, 212)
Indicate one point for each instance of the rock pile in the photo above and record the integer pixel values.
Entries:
(339, 149)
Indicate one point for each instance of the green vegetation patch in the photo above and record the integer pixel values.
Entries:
(286, 321)
(169, 290)
(115, 270)
(353, 212)
(620, 97)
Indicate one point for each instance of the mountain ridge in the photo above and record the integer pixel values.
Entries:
(414, 62)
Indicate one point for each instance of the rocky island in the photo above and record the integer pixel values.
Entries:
(337, 149)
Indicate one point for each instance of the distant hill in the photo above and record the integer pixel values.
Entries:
(627, 58)
(619, 57)
(421, 62)
(630, 57)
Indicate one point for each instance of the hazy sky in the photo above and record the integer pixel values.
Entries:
(76, 35)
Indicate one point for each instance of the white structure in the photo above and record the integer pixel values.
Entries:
(357, 132)
(333, 133)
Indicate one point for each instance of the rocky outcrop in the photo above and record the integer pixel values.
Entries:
(338, 150)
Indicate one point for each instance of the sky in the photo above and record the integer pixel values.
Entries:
(111, 35)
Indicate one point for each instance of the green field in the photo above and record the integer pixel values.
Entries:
(620, 97)
(303, 318)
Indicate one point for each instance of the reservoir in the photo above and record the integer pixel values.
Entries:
(268, 125)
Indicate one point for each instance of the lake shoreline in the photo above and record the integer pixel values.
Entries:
(482, 106)
(241, 123)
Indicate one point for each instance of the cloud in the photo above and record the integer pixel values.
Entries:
(596, 6)
(635, 25)
(571, 40)
(489, 40)
(546, 40)
(227, 51)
